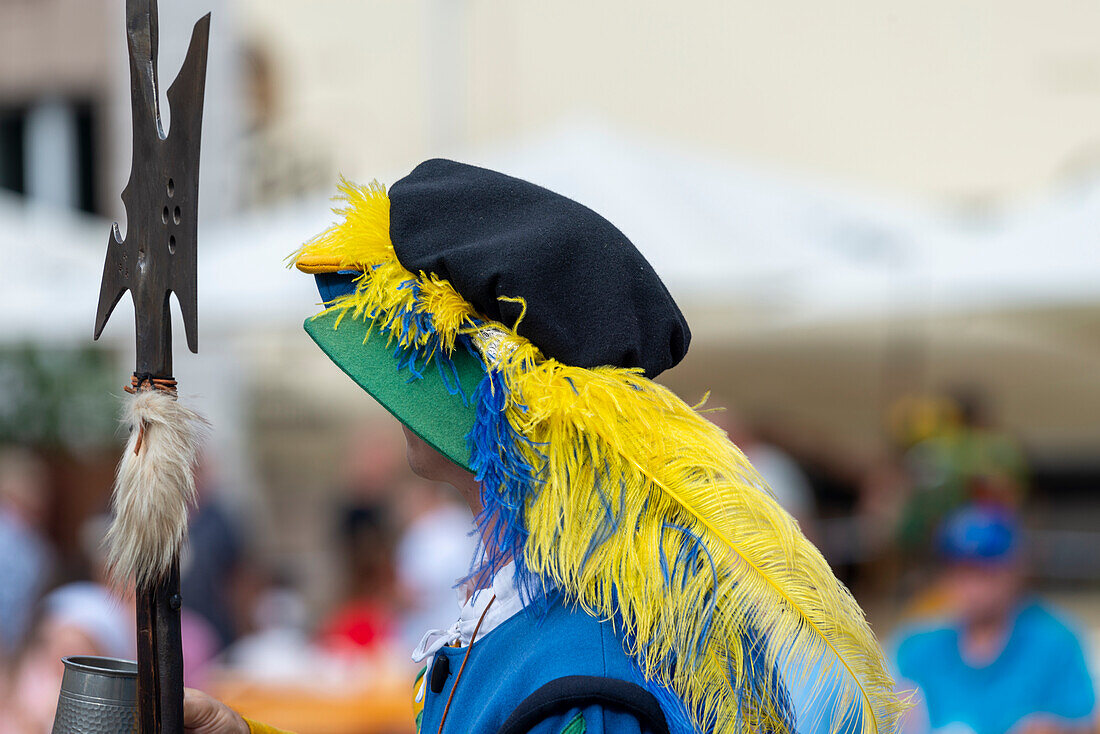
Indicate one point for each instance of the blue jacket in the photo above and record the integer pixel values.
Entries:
(519, 657)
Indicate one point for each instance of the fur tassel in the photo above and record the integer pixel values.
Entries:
(607, 486)
(154, 487)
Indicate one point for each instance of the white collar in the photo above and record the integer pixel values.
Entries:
(506, 602)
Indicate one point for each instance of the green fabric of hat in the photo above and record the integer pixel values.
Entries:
(424, 404)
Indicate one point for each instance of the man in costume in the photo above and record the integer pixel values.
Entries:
(634, 573)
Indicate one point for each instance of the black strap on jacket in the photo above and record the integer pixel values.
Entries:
(577, 691)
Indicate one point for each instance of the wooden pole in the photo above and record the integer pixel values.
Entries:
(160, 656)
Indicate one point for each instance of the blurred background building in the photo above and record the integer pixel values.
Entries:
(880, 219)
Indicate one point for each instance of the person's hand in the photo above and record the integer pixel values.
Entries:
(203, 714)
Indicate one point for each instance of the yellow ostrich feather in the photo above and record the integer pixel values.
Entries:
(679, 471)
(642, 511)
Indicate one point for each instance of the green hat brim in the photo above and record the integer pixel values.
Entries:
(424, 404)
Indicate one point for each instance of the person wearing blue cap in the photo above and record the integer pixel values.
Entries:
(1004, 662)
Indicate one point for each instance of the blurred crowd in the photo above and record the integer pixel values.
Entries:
(935, 530)
(400, 545)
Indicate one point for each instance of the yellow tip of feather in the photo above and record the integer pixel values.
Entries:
(314, 264)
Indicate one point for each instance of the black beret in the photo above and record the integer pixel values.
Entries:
(592, 299)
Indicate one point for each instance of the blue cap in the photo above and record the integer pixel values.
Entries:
(981, 534)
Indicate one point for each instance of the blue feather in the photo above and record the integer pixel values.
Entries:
(507, 481)
(766, 681)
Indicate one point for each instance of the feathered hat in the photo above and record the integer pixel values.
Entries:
(518, 333)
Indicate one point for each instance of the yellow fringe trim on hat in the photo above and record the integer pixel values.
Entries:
(643, 511)
(361, 241)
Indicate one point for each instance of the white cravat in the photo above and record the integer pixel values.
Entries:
(506, 602)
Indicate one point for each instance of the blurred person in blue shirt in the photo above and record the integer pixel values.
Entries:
(26, 556)
(1003, 661)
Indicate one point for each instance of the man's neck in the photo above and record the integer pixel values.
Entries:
(468, 488)
(983, 640)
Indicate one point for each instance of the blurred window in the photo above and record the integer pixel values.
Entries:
(13, 122)
(48, 150)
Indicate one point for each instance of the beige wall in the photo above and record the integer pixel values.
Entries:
(52, 47)
(348, 76)
(950, 100)
(945, 99)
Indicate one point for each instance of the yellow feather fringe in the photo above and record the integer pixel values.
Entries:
(681, 480)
